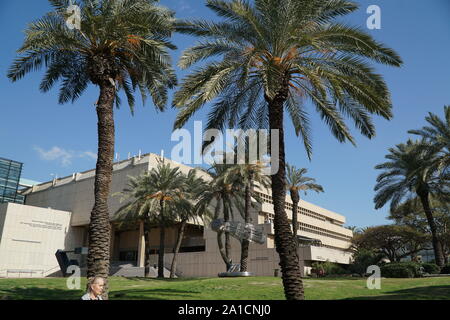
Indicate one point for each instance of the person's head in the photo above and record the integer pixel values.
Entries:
(96, 286)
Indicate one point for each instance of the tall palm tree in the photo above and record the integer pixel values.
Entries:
(193, 188)
(250, 177)
(296, 181)
(273, 55)
(406, 173)
(438, 136)
(224, 196)
(121, 45)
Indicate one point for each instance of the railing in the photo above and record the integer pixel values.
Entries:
(20, 271)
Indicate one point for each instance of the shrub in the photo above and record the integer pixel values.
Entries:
(431, 268)
(362, 259)
(401, 270)
(446, 269)
(333, 268)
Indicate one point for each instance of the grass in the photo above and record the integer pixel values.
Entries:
(253, 288)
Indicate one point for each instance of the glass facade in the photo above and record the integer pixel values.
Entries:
(10, 172)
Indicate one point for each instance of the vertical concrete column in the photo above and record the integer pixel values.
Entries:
(111, 242)
(141, 246)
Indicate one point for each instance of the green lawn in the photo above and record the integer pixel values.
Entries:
(253, 288)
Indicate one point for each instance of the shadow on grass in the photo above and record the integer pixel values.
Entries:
(153, 294)
(36, 293)
(165, 279)
(418, 293)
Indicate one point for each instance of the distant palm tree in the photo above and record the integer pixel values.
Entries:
(121, 45)
(187, 209)
(407, 174)
(296, 181)
(249, 177)
(437, 134)
(224, 196)
(273, 56)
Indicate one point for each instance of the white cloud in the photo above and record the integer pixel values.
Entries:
(63, 156)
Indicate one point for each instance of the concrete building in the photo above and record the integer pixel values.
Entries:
(56, 216)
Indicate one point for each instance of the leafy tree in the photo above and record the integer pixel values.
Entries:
(273, 56)
(159, 194)
(193, 188)
(407, 174)
(121, 45)
(438, 136)
(411, 213)
(223, 195)
(362, 259)
(296, 181)
(394, 242)
(249, 177)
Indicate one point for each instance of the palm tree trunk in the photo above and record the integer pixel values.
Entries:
(99, 226)
(176, 249)
(226, 218)
(295, 200)
(147, 246)
(438, 254)
(284, 240)
(245, 243)
(162, 234)
(222, 252)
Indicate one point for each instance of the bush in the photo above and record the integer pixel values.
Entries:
(362, 259)
(401, 270)
(333, 268)
(446, 269)
(431, 268)
(328, 268)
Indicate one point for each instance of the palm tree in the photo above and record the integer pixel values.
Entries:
(437, 134)
(273, 55)
(121, 45)
(406, 174)
(224, 196)
(139, 208)
(250, 177)
(193, 188)
(297, 181)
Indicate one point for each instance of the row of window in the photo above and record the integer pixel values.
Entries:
(269, 217)
(300, 210)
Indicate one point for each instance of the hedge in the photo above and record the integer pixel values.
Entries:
(401, 270)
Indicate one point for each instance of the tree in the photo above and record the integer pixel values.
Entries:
(438, 136)
(296, 181)
(273, 56)
(250, 177)
(405, 174)
(410, 213)
(193, 188)
(224, 196)
(394, 242)
(121, 45)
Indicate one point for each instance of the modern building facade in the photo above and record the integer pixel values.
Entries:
(61, 208)
(10, 172)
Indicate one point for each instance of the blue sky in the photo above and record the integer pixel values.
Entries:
(61, 139)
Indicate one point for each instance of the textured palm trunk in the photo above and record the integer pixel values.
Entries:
(295, 200)
(438, 253)
(246, 243)
(226, 218)
(99, 226)
(176, 249)
(222, 252)
(147, 246)
(284, 241)
(162, 236)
